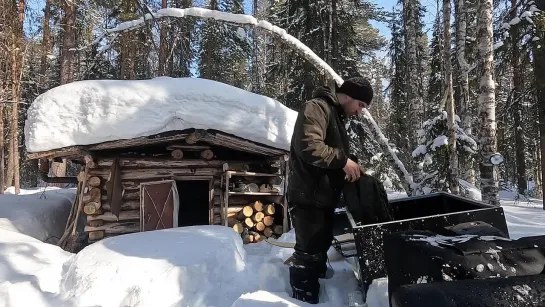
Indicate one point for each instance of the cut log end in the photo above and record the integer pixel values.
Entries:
(269, 209)
(249, 222)
(260, 226)
(91, 208)
(246, 212)
(268, 220)
(96, 235)
(177, 154)
(278, 229)
(259, 216)
(94, 182)
(238, 228)
(258, 206)
(207, 154)
(268, 232)
(95, 223)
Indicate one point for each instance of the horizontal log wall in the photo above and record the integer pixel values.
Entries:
(102, 223)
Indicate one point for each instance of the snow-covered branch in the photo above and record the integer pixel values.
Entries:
(243, 19)
(408, 184)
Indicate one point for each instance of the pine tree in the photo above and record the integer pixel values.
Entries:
(432, 153)
(436, 78)
(224, 50)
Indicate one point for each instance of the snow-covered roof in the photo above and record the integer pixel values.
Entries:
(97, 111)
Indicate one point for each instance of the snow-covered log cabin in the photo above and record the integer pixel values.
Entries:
(166, 152)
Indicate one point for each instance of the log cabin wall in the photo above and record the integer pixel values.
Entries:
(102, 223)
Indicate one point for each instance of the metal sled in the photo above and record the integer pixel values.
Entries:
(430, 212)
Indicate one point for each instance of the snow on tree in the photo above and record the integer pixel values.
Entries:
(297, 45)
(432, 153)
(487, 112)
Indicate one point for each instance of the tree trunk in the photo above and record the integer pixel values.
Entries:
(537, 173)
(539, 75)
(45, 45)
(68, 42)
(453, 154)
(256, 84)
(3, 96)
(414, 100)
(67, 67)
(127, 49)
(487, 112)
(163, 44)
(17, 68)
(467, 168)
(518, 85)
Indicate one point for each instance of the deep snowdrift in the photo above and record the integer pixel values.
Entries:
(95, 111)
(194, 266)
(30, 270)
(191, 266)
(34, 213)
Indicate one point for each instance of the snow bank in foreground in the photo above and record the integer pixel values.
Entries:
(267, 299)
(194, 266)
(95, 111)
(189, 266)
(40, 216)
(30, 270)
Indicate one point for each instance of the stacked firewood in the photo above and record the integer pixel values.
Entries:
(255, 222)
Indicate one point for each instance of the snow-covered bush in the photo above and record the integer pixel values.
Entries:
(432, 155)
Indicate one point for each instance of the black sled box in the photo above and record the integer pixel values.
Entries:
(433, 212)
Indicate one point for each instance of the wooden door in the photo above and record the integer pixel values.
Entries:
(159, 203)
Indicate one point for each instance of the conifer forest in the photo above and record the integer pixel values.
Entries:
(455, 81)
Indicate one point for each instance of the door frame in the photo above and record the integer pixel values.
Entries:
(210, 180)
(175, 201)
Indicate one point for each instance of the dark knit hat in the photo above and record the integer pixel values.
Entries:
(357, 88)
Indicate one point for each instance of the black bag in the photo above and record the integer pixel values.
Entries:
(422, 256)
(518, 291)
(367, 201)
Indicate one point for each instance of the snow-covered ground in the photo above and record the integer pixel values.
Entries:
(191, 266)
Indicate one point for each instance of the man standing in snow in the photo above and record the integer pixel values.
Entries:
(319, 167)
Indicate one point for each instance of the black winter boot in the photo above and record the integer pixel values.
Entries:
(304, 273)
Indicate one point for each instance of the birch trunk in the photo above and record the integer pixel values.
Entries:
(487, 111)
(518, 85)
(453, 154)
(467, 168)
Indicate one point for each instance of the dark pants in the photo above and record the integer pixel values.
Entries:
(314, 233)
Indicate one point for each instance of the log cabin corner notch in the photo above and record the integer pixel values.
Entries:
(175, 179)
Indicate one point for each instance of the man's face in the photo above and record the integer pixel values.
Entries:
(353, 106)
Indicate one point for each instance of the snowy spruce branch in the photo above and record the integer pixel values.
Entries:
(527, 13)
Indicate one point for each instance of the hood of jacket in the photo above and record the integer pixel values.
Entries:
(328, 94)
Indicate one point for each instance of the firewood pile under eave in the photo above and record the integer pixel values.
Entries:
(255, 222)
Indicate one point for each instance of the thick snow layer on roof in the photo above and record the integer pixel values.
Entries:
(96, 111)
